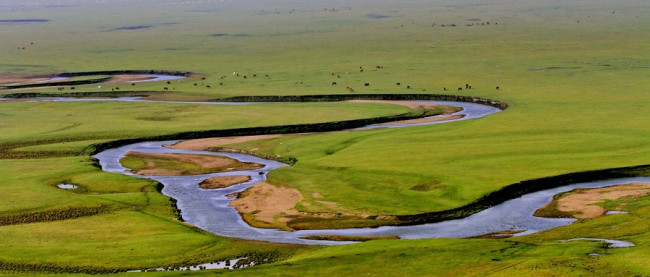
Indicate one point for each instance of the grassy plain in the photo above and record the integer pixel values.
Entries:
(574, 73)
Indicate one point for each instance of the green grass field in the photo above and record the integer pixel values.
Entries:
(575, 74)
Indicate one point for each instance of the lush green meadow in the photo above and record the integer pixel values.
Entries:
(576, 75)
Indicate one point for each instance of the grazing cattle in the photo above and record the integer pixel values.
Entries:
(169, 83)
(208, 86)
(366, 84)
(397, 84)
(132, 84)
(60, 88)
(408, 87)
(99, 87)
(333, 83)
(245, 77)
(498, 88)
(195, 84)
(466, 86)
(71, 88)
(202, 78)
(470, 87)
(444, 88)
(117, 88)
(221, 83)
(460, 88)
(166, 88)
(254, 75)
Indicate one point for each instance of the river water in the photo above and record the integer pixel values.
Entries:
(210, 210)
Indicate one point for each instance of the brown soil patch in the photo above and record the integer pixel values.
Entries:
(204, 164)
(206, 143)
(264, 202)
(124, 78)
(411, 104)
(583, 203)
(425, 120)
(267, 206)
(24, 79)
(223, 181)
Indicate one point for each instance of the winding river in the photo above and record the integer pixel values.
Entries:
(210, 210)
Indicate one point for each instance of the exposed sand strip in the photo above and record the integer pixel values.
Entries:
(583, 203)
(124, 78)
(411, 104)
(24, 79)
(425, 120)
(206, 143)
(223, 181)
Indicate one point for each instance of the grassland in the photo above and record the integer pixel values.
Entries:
(577, 93)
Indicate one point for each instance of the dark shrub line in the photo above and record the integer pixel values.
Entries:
(172, 202)
(52, 215)
(247, 258)
(524, 187)
(281, 129)
(60, 83)
(95, 80)
(111, 94)
(120, 72)
(345, 97)
(302, 128)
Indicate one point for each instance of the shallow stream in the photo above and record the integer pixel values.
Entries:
(210, 210)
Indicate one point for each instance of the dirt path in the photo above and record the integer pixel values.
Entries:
(411, 104)
(583, 203)
(223, 181)
(206, 143)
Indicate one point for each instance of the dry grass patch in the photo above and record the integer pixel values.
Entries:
(182, 164)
